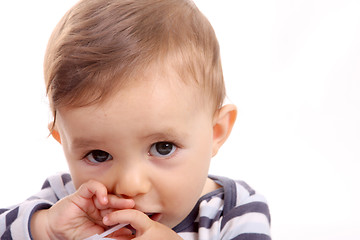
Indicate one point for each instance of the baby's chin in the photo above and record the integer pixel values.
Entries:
(169, 222)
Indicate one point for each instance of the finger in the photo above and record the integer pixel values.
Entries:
(93, 188)
(123, 232)
(114, 203)
(124, 237)
(120, 203)
(137, 219)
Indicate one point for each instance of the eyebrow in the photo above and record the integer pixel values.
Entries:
(84, 142)
(165, 135)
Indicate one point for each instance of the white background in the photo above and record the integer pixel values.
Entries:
(291, 67)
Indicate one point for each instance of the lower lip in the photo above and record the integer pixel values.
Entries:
(156, 217)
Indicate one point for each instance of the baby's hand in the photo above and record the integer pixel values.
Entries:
(145, 227)
(79, 215)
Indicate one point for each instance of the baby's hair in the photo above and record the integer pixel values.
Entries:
(101, 44)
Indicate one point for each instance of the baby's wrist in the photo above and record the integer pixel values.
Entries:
(39, 225)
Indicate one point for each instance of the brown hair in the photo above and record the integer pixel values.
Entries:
(99, 44)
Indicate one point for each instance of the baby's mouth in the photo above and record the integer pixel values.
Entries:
(154, 216)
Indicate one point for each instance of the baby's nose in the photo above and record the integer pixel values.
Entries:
(132, 181)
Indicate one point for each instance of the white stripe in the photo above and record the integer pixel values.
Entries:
(212, 233)
(242, 194)
(188, 235)
(211, 208)
(47, 194)
(254, 198)
(20, 227)
(247, 223)
(58, 186)
(2, 222)
(70, 188)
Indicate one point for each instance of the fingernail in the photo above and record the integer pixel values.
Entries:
(131, 201)
(106, 219)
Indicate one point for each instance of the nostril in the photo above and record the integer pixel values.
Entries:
(132, 182)
(123, 196)
(130, 192)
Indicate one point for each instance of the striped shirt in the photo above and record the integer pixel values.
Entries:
(233, 212)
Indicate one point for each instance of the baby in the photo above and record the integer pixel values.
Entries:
(136, 91)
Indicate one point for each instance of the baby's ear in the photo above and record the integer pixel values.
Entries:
(54, 132)
(223, 122)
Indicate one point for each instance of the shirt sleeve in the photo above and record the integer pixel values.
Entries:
(15, 221)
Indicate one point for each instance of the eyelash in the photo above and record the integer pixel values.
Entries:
(86, 157)
(173, 151)
(154, 146)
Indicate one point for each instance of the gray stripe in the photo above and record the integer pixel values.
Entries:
(11, 216)
(258, 207)
(65, 178)
(6, 235)
(2, 210)
(206, 222)
(252, 236)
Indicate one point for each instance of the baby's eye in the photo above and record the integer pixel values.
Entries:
(98, 156)
(162, 149)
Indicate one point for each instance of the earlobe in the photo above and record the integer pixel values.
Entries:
(223, 124)
(54, 132)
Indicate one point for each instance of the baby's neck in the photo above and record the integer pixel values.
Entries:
(210, 185)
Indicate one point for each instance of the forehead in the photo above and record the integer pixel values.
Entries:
(147, 105)
(152, 98)
(156, 89)
(162, 83)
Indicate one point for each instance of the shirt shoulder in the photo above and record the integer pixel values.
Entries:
(234, 211)
(245, 214)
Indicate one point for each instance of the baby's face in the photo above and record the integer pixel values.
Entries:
(151, 142)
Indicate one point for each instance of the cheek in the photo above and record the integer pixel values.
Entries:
(78, 173)
(182, 188)
(180, 195)
(77, 176)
